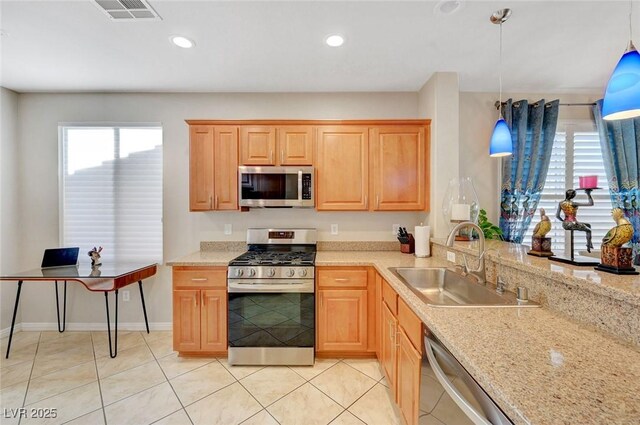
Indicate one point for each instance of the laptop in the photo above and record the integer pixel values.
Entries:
(60, 257)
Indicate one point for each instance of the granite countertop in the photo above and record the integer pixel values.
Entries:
(539, 367)
(620, 287)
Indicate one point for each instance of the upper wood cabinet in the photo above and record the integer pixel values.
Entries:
(342, 168)
(213, 168)
(200, 168)
(267, 145)
(398, 168)
(258, 145)
(295, 145)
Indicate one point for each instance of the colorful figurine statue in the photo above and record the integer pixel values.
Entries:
(95, 256)
(570, 209)
(540, 244)
(613, 257)
(621, 233)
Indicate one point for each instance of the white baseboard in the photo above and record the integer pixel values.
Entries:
(102, 326)
(5, 332)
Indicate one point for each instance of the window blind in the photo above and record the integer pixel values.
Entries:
(574, 154)
(111, 192)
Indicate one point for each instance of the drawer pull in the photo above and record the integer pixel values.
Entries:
(199, 279)
(342, 279)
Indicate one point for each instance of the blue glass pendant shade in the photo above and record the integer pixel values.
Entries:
(622, 98)
(501, 144)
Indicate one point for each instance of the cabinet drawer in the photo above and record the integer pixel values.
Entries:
(411, 324)
(342, 278)
(209, 277)
(390, 297)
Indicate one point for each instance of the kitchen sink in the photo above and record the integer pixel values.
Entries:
(442, 287)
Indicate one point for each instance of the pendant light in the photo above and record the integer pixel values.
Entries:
(622, 97)
(501, 144)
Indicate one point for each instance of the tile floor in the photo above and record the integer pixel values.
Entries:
(148, 383)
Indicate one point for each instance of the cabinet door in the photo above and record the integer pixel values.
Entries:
(342, 320)
(200, 168)
(226, 168)
(214, 320)
(408, 394)
(186, 320)
(388, 345)
(295, 145)
(342, 166)
(257, 145)
(398, 168)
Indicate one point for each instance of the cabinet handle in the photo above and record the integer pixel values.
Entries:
(204, 299)
(271, 156)
(391, 331)
(216, 201)
(378, 201)
(342, 279)
(199, 279)
(396, 339)
(196, 300)
(282, 156)
(366, 201)
(210, 200)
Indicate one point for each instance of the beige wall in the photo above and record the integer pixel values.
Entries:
(478, 115)
(9, 189)
(39, 115)
(438, 99)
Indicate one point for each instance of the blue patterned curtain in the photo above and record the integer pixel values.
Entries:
(533, 129)
(620, 142)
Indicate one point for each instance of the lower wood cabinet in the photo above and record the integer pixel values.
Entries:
(401, 352)
(200, 309)
(346, 311)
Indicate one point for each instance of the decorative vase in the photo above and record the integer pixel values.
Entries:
(460, 204)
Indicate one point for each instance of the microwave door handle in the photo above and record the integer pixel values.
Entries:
(300, 185)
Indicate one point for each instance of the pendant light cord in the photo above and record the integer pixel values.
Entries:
(500, 75)
(630, 25)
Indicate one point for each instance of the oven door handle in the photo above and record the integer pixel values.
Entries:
(255, 287)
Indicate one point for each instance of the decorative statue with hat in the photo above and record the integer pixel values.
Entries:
(540, 244)
(614, 258)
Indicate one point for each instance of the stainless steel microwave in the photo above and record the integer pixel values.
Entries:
(276, 187)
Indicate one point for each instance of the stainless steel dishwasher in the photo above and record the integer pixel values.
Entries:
(460, 386)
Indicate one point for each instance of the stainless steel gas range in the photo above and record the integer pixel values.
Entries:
(272, 299)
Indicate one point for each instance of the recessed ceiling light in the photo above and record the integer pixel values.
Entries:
(183, 42)
(334, 40)
(447, 7)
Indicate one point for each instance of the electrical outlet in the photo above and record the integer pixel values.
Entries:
(228, 229)
(451, 256)
(125, 296)
(334, 229)
(394, 228)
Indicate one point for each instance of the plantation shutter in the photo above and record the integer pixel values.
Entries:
(111, 194)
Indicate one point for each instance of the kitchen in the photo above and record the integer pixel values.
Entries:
(459, 105)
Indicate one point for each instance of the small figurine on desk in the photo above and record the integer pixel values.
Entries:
(95, 256)
(614, 258)
(540, 244)
(570, 210)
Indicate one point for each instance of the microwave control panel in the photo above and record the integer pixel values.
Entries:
(306, 186)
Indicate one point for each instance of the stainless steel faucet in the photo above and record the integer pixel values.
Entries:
(478, 273)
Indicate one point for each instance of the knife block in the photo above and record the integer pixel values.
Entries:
(409, 247)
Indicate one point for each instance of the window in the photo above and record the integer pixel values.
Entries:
(576, 152)
(111, 191)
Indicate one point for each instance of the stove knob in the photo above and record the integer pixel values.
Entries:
(271, 272)
(302, 272)
(252, 272)
(239, 272)
(290, 272)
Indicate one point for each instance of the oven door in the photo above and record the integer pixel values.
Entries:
(271, 327)
(275, 186)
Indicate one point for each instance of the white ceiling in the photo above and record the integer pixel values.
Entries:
(557, 46)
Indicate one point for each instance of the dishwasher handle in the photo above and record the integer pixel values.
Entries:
(432, 348)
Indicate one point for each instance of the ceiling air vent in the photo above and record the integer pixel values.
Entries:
(128, 10)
